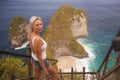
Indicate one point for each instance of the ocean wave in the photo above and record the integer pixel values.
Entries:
(108, 36)
(23, 46)
(86, 62)
(103, 44)
(90, 43)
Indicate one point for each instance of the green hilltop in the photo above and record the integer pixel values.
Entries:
(16, 32)
(13, 26)
(59, 36)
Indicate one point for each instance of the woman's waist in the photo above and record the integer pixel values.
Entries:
(34, 56)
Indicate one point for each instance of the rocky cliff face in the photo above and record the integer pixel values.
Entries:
(65, 25)
(79, 25)
(17, 33)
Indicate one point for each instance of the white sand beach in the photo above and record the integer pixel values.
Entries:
(66, 62)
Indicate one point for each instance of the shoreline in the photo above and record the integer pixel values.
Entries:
(76, 62)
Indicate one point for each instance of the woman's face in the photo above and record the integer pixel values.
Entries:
(37, 26)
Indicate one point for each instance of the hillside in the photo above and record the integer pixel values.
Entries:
(16, 32)
(64, 27)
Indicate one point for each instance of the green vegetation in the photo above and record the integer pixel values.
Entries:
(75, 47)
(12, 67)
(13, 25)
(59, 33)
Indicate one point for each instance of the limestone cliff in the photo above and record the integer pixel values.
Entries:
(16, 32)
(79, 25)
(65, 25)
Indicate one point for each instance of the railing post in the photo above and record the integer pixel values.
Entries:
(106, 57)
(72, 73)
(98, 75)
(12, 77)
(30, 68)
(105, 65)
(117, 72)
(60, 74)
(83, 73)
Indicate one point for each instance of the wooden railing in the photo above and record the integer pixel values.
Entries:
(30, 72)
(82, 75)
(104, 74)
(28, 55)
(97, 75)
(94, 75)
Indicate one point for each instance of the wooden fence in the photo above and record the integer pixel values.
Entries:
(30, 72)
(82, 75)
(98, 75)
(104, 74)
(27, 55)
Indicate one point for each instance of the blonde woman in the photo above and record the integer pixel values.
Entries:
(38, 47)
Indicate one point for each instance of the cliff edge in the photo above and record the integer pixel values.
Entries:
(64, 27)
(17, 31)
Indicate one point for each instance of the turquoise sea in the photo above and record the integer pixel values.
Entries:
(103, 22)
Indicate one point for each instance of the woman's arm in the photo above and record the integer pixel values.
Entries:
(38, 51)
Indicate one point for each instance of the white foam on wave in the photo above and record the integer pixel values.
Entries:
(84, 62)
(23, 46)
(103, 44)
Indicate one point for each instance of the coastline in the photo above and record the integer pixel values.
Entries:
(66, 62)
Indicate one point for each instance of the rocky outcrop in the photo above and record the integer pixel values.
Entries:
(17, 31)
(64, 27)
(79, 25)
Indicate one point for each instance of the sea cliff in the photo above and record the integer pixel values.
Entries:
(16, 32)
(64, 27)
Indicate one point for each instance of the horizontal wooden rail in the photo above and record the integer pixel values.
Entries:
(22, 55)
(83, 74)
(77, 73)
(14, 54)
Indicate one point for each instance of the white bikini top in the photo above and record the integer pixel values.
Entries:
(44, 47)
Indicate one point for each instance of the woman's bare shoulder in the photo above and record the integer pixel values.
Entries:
(38, 40)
